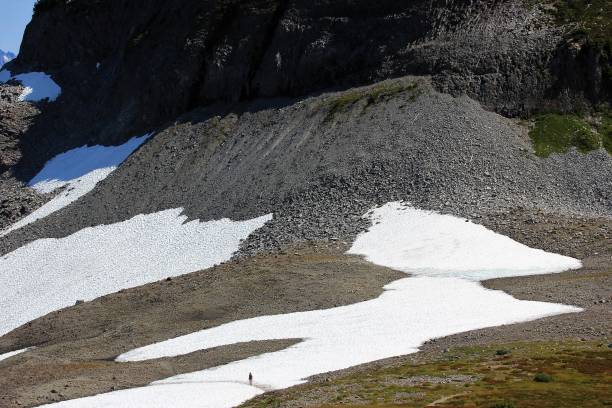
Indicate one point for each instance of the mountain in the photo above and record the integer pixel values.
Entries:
(320, 185)
(6, 56)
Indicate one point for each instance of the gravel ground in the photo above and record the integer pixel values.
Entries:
(320, 163)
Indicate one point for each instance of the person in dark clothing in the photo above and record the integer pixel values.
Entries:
(250, 379)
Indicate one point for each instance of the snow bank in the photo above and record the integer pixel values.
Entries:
(427, 243)
(13, 353)
(79, 170)
(38, 85)
(49, 274)
(76, 163)
(409, 312)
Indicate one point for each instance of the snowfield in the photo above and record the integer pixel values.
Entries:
(50, 274)
(78, 170)
(38, 85)
(427, 243)
(451, 252)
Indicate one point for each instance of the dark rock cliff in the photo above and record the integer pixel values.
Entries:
(128, 65)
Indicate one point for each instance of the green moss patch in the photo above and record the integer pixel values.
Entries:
(591, 18)
(580, 374)
(542, 377)
(587, 21)
(372, 95)
(558, 133)
(605, 130)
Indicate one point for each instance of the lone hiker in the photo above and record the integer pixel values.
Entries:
(250, 379)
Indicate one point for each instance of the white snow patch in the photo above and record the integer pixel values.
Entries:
(50, 274)
(14, 353)
(5, 75)
(38, 85)
(79, 170)
(427, 243)
(409, 312)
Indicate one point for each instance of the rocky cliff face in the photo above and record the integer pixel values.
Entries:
(508, 56)
(238, 93)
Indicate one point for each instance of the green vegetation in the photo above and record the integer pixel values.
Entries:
(557, 133)
(502, 352)
(371, 95)
(542, 377)
(591, 18)
(605, 130)
(503, 405)
(475, 377)
(45, 5)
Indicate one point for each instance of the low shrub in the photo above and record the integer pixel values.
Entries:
(557, 133)
(504, 404)
(543, 378)
(605, 130)
(592, 18)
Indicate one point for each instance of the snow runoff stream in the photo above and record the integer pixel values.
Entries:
(447, 256)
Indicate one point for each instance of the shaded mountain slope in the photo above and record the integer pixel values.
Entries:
(508, 55)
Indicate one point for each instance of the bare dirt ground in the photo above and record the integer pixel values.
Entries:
(76, 346)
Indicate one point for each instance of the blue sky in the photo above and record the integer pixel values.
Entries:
(15, 15)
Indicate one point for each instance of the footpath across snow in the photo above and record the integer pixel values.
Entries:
(50, 274)
(451, 252)
(77, 171)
